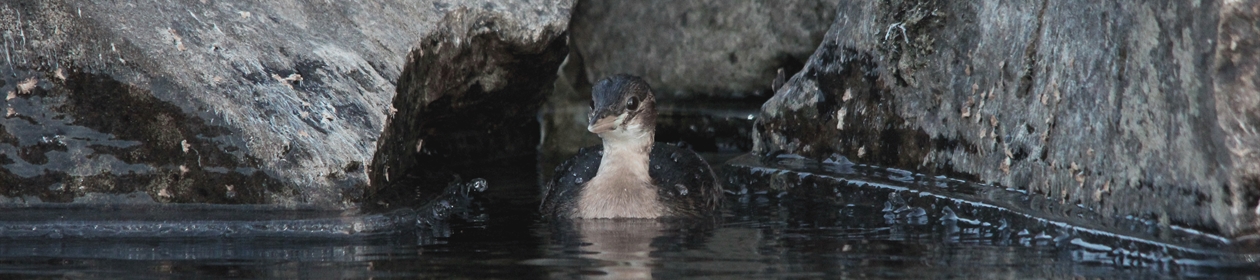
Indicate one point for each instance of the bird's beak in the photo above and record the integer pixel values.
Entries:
(601, 125)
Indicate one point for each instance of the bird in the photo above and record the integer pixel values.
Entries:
(630, 175)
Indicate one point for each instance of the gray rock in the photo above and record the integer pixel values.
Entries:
(219, 101)
(468, 95)
(689, 48)
(1142, 110)
(563, 119)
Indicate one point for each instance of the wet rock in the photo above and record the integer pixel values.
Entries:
(468, 94)
(221, 101)
(1144, 111)
(563, 119)
(1236, 94)
(689, 48)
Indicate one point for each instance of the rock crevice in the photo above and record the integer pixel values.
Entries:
(468, 94)
(280, 103)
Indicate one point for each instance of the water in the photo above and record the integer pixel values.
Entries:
(775, 224)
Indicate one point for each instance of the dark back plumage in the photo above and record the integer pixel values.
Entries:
(684, 182)
(623, 112)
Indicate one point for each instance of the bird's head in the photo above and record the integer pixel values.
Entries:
(622, 108)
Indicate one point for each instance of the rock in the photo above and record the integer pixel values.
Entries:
(221, 101)
(1143, 110)
(563, 120)
(468, 95)
(1236, 94)
(698, 48)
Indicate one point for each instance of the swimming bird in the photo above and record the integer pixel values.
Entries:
(630, 175)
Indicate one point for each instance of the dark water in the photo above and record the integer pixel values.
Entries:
(775, 224)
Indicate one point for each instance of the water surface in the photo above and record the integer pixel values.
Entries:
(766, 230)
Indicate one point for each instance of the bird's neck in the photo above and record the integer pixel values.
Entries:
(626, 150)
(626, 156)
(622, 188)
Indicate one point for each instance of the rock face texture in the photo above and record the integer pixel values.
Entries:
(280, 102)
(1143, 110)
(469, 94)
(689, 48)
(1236, 88)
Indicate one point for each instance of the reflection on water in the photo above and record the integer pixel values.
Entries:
(809, 229)
(624, 246)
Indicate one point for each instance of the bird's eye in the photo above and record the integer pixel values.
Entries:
(633, 103)
(592, 104)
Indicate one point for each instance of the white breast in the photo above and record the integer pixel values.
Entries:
(622, 188)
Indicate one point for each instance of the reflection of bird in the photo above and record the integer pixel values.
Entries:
(630, 176)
